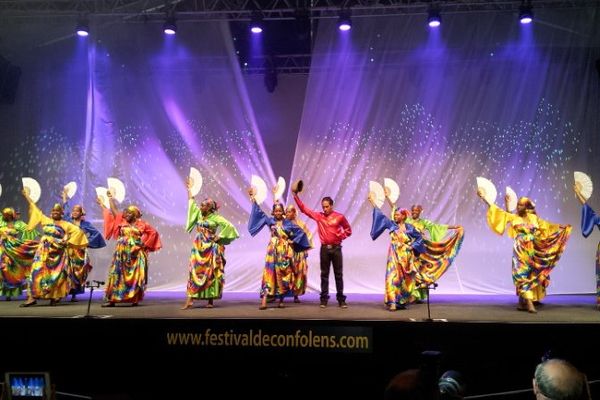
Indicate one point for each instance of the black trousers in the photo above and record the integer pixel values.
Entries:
(332, 254)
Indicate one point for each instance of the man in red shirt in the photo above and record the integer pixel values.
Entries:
(333, 228)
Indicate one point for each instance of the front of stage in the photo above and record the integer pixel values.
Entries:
(299, 351)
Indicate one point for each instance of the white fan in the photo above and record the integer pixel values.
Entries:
(378, 192)
(33, 189)
(71, 189)
(117, 189)
(197, 181)
(393, 187)
(261, 188)
(489, 190)
(102, 193)
(280, 188)
(584, 183)
(512, 199)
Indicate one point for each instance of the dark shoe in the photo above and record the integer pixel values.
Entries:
(323, 304)
(74, 299)
(401, 307)
(8, 298)
(33, 303)
(296, 299)
(53, 302)
(342, 304)
(108, 304)
(134, 304)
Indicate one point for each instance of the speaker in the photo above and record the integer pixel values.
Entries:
(9, 81)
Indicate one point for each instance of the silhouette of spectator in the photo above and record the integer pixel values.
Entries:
(452, 386)
(411, 384)
(557, 379)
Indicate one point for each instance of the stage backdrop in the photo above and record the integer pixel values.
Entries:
(482, 95)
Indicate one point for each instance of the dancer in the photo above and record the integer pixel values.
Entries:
(287, 239)
(538, 245)
(589, 220)
(79, 260)
(17, 250)
(128, 272)
(300, 260)
(333, 228)
(207, 261)
(403, 254)
(441, 250)
(49, 277)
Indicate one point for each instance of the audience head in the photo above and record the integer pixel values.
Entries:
(557, 379)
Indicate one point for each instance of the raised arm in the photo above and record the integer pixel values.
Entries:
(305, 210)
(578, 194)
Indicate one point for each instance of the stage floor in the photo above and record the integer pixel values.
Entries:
(362, 307)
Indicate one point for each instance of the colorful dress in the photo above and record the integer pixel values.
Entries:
(79, 260)
(538, 245)
(16, 256)
(402, 261)
(207, 261)
(49, 272)
(589, 220)
(128, 272)
(287, 239)
(438, 255)
(300, 261)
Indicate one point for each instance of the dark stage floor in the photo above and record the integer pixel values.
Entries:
(452, 308)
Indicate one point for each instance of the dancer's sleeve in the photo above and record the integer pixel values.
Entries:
(258, 219)
(37, 217)
(589, 220)
(26, 234)
(193, 215)
(227, 232)
(95, 239)
(111, 223)
(381, 223)
(417, 244)
(298, 236)
(150, 237)
(436, 231)
(305, 210)
(77, 236)
(498, 218)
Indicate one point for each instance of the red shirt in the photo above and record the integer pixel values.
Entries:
(333, 228)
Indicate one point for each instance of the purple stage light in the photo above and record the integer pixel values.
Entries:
(344, 22)
(525, 14)
(434, 18)
(82, 28)
(169, 27)
(256, 29)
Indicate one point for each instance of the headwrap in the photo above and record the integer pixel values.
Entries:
(291, 207)
(134, 210)
(58, 207)
(403, 211)
(529, 204)
(9, 211)
(417, 206)
(211, 204)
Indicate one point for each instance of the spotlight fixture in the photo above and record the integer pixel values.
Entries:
(82, 28)
(256, 22)
(344, 21)
(525, 13)
(434, 19)
(170, 27)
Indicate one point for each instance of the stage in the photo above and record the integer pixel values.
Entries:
(362, 307)
(157, 350)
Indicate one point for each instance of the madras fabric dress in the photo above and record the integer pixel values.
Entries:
(300, 262)
(402, 261)
(278, 278)
(49, 272)
(537, 248)
(207, 262)
(79, 260)
(439, 252)
(128, 272)
(16, 257)
(589, 220)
